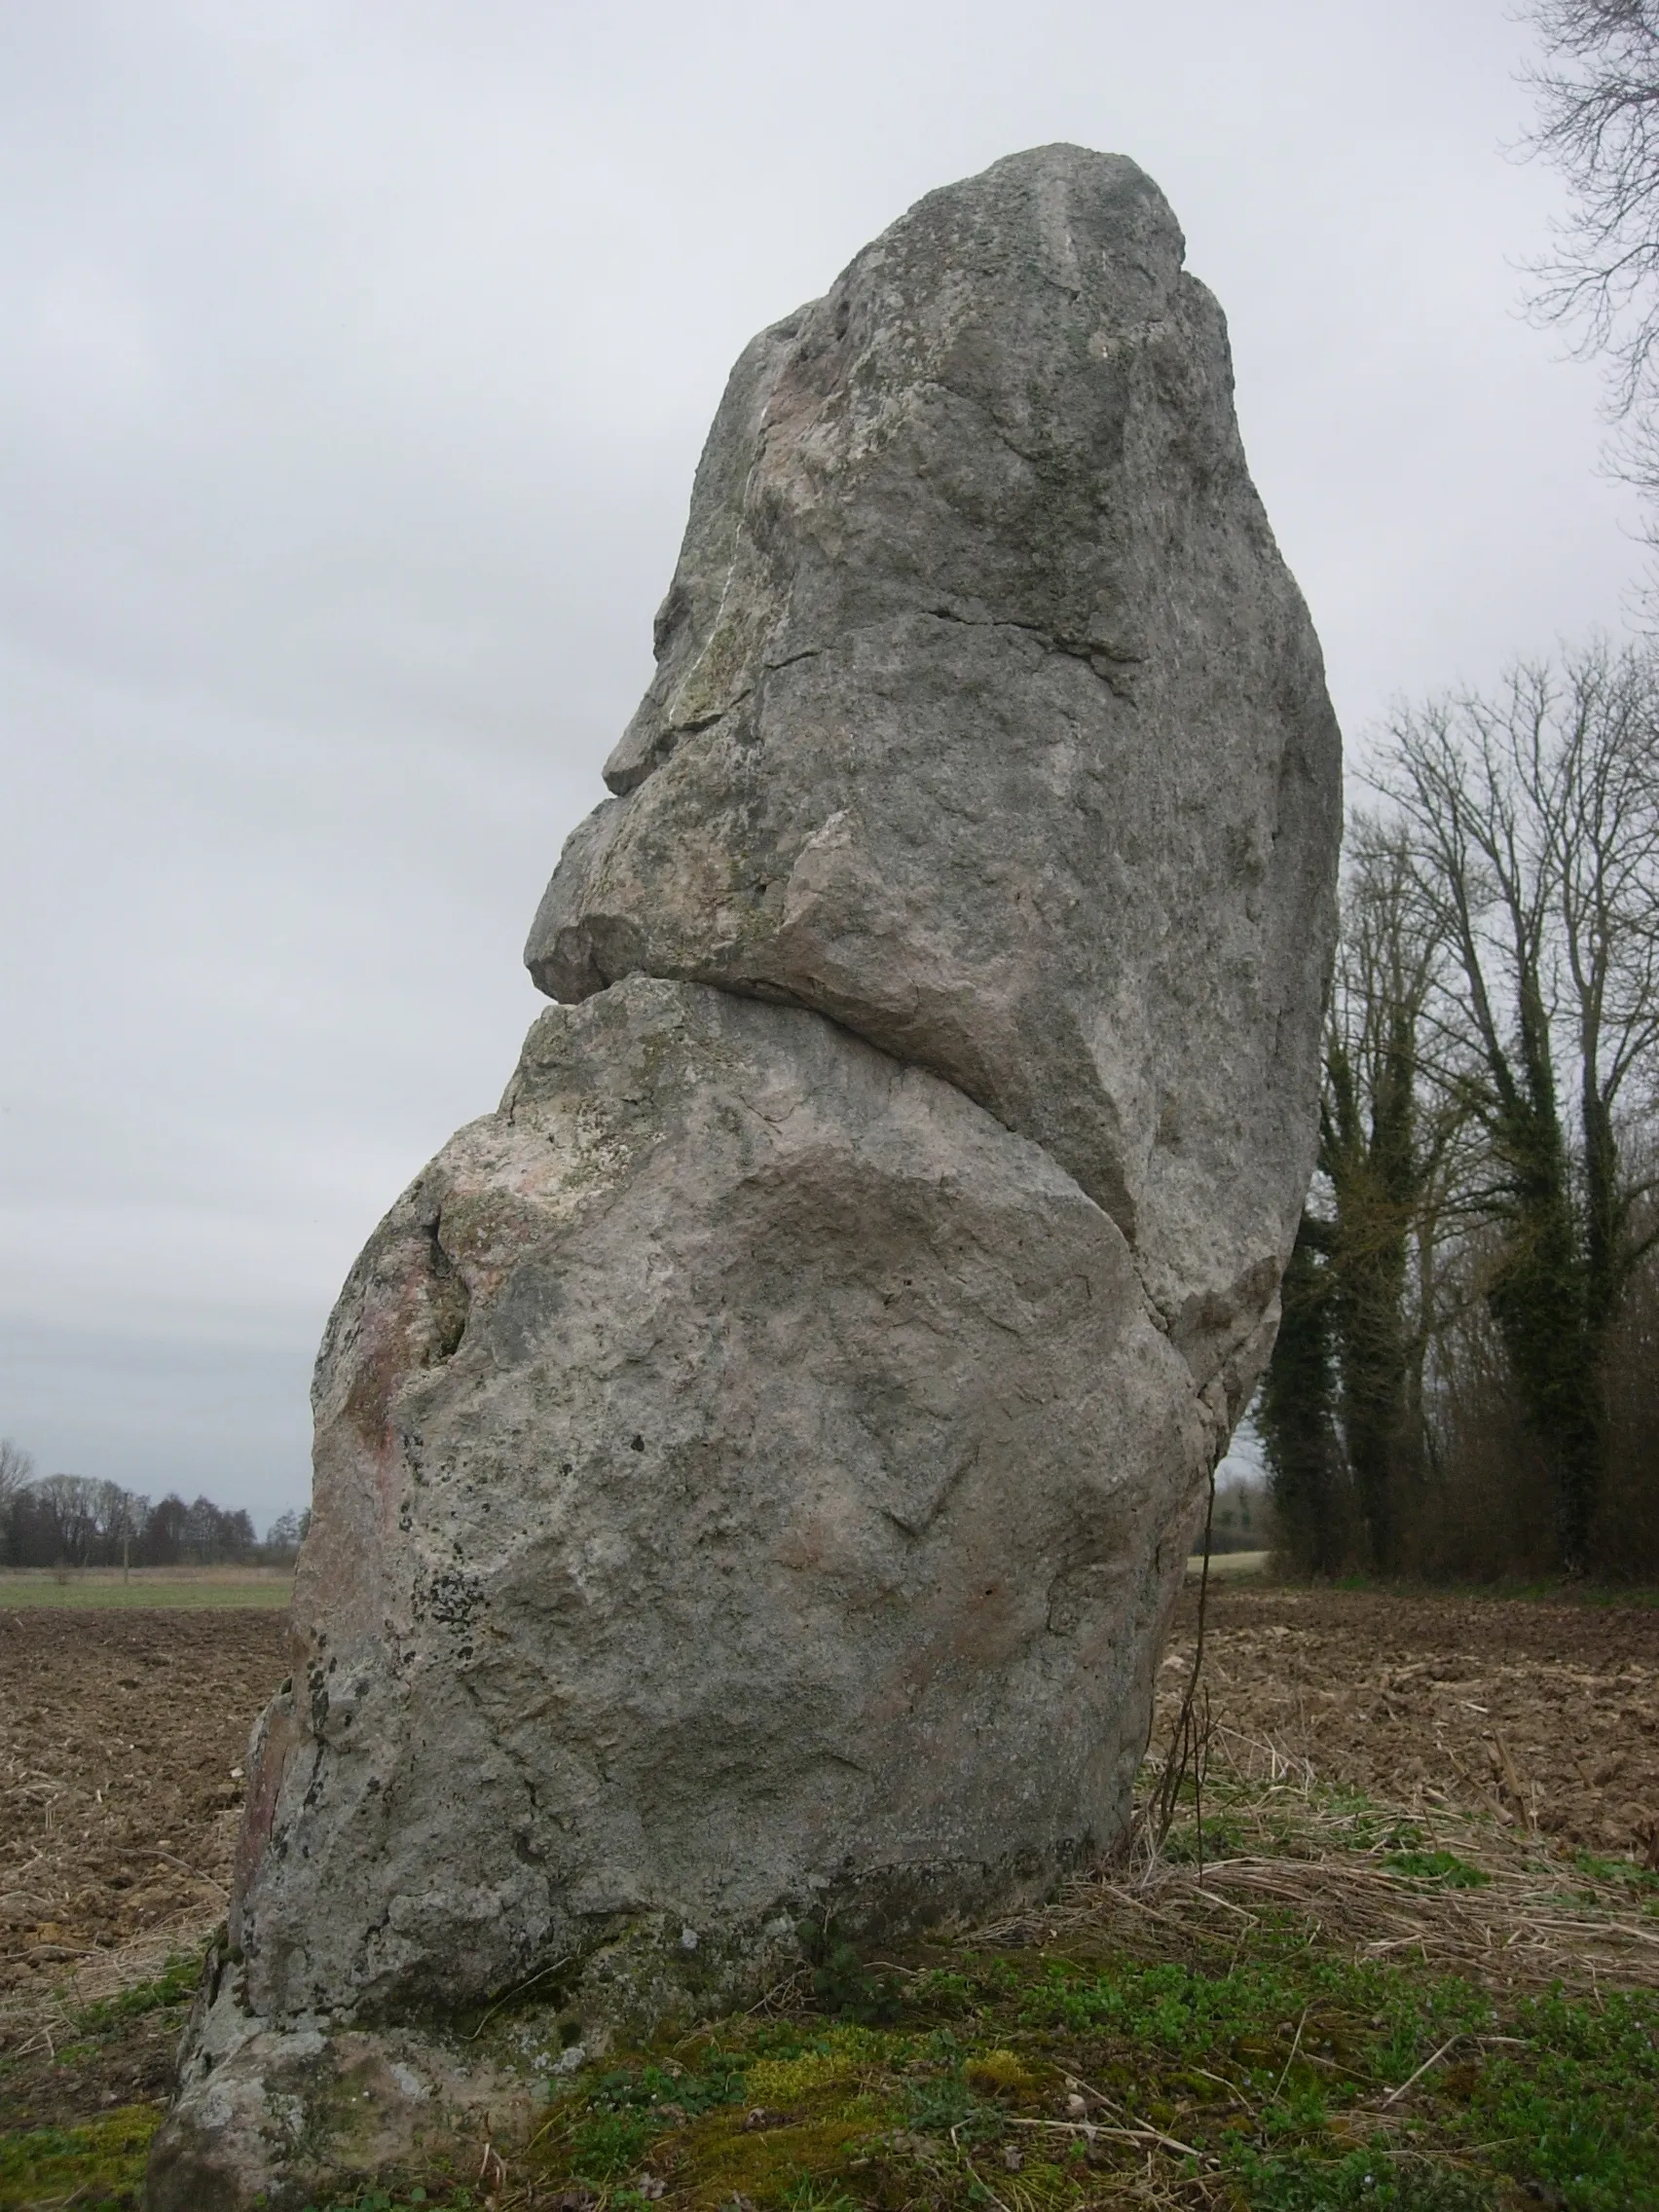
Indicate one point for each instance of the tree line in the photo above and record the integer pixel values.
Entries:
(71, 1521)
(1466, 1376)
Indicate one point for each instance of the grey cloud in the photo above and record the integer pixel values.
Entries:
(357, 360)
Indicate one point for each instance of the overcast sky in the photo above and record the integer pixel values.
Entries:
(356, 360)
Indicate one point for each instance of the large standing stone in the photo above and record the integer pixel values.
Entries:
(754, 1466)
(748, 1482)
(988, 721)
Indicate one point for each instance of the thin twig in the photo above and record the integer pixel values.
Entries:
(1295, 2046)
(1433, 2059)
(1133, 2131)
(517, 1990)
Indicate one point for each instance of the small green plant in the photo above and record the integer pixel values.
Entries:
(841, 1981)
(627, 2107)
(937, 2103)
(719, 2082)
(1371, 2180)
(810, 2196)
(1217, 1839)
(609, 2143)
(175, 1984)
(1442, 1866)
(1622, 1870)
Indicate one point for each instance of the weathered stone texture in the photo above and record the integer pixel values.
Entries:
(988, 721)
(744, 1471)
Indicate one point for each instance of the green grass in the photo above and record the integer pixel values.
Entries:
(1268, 2081)
(1624, 1871)
(1231, 1565)
(96, 2163)
(175, 1984)
(1281, 2076)
(1442, 1866)
(1552, 1591)
(150, 1588)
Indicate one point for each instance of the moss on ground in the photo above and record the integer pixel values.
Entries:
(98, 2167)
(77, 2109)
(1284, 2078)
(1256, 2062)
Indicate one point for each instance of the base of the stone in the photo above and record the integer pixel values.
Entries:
(280, 2115)
(283, 2116)
(277, 2115)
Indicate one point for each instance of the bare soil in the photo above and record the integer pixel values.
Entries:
(1545, 1713)
(119, 1733)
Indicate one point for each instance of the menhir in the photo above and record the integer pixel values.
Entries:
(754, 1466)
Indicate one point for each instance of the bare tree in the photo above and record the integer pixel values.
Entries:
(1532, 825)
(1594, 789)
(1597, 95)
(68, 1505)
(16, 1472)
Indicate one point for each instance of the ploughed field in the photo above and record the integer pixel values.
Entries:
(1421, 1813)
(119, 1733)
(1546, 1714)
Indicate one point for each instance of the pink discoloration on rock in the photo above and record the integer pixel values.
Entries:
(275, 1739)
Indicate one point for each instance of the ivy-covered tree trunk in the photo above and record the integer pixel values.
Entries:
(1376, 1170)
(1374, 1186)
(1538, 1299)
(1295, 1416)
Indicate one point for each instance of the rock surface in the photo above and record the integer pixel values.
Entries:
(280, 2114)
(988, 721)
(744, 1472)
(755, 1465)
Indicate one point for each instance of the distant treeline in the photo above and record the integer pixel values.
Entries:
(1241, 1519)
(73, 1521)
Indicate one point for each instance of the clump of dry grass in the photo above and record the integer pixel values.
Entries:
(1460, 1891)
(42, 2019)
